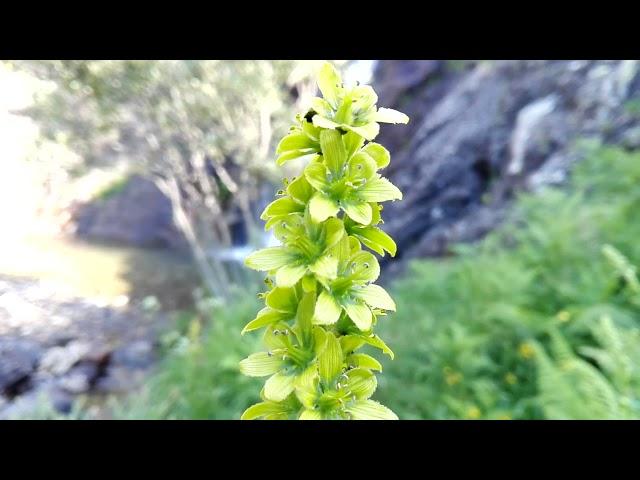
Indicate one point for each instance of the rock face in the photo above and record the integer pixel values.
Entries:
(480, 132)
(139, 215)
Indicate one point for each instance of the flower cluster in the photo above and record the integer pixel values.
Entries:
(323, 303)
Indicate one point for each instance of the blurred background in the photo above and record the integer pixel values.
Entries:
(130, 193)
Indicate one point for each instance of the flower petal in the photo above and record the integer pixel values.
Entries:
(322, 207)
(323, 122)
(330, 360)
(316, 174)
(265, 317)
(270, 258)
(358, 210)
(389, 115)
(261, 364)
(379, 190)
(304, 155)
(310, 415)
(279, 386)
(327, 311)
(330, 84)
(283, 300)
(359, 313)
(379, 154)
(375, 239)
(365, 361)
(300, 190)
(370, 410)
(326, 266)
(361, 382)
(263, 409)
(333, 150)
(288, 275)
(368, 131)
(375, 296)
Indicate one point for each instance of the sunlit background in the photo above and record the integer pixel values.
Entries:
(130, 193)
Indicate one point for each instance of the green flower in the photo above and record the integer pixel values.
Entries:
(302, 142)
(351, 291)
(323, 305)
(307, 249)
(349, 109)
(348, 181)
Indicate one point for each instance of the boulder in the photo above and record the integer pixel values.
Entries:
(18, 360)
(138, 215)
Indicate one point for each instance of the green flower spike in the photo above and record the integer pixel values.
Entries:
(323, 306)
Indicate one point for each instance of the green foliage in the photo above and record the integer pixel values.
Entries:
(543, 282)
(518, 327)
(199, 378)
(323, 305)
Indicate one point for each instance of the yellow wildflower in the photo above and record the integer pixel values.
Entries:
(451, 377)
(510, 378)
(473, 413)
(525, 350)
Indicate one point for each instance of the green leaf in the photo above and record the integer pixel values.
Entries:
(370, 410)
(375, 296)
(362, 383)
(279, 386)
(333, 151)
(358, 211)
(365, 361)
(359, 313)
(310, 415)
(261, 364)
(288, 275)
(270, 258)
(283, 299)
(322, 207)
(316, 174)
(330, 360)
(388, 115)
(379, 154)
(265, 317)
(379, 190)
(327, 309)
(330, 84)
